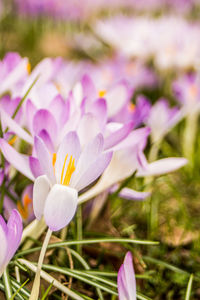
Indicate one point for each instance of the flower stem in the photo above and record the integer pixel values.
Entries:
(79, 228)
(36, 283)
(190, 135)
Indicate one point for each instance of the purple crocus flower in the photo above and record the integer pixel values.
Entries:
(126, 279)
(13, 73)
(187, 92)
(10, 236)
(162, 118)
(55, 194)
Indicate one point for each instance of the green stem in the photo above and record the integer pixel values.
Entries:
(79, 228)
(189, 135)
(7, 284)
(36, 283)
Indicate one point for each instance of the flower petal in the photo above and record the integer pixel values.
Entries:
(162, 166)
(130, 276)
(14, 236)
(118, 135)
(17, 129)
(131, 194)
(94, 170)
(41, 189)
(70, 146)
(3, 249)
(19, 161)
(44, 158)
(116, 98)
(35, 166)
(89, 154)
(88, 128)
(43, 119)
(60, 206)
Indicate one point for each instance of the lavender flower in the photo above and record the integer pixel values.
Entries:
(10, 236)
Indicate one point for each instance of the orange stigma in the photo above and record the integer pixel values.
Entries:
(12, 140)
(23, 208)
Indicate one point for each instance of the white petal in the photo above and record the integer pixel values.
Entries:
(60, 206)
(41, 189)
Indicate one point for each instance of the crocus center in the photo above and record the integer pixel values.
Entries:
(102, 93)
(23, 209)
(66, 175)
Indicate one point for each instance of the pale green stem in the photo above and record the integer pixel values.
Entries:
(189, 135)
(153, 153)
(36, 283)
(79, 228)
(152, 209)
(7, 284)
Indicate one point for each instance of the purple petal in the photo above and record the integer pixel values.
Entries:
(35, 166)
(121, 284)
(94, 170)
(99, 110)
(131, 194)
(130, 276)
(60, 206)
(3, 249)
(45, 158)
(30, 112)
(117, 136)
(60, 110)
(43, 119)
(43, 134)
(89, 89)
(19, 161)
(162, 166)
(14, 236)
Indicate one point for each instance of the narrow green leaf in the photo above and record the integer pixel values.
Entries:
(47, 291)
(189, 287)
(7, 284)
(94, 241)
(18, 290)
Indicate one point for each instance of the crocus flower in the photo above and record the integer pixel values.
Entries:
(10, 236)
(13, 73)
(187, 91)
(162, 118)
(126, 282)
(55, 193)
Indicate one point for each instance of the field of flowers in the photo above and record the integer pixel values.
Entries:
(99, 149)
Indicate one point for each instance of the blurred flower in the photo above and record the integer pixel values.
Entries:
(170, 40)
(162, 118)
(126, 279)
(10, 235)
(187, 92)
(13, 73)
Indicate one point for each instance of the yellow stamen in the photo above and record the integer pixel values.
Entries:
(58, 86)
(63, 169)
(102, 93)
(12, 140)
(28, 67)
(70, 170)
(131, 107)
(54, 159)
